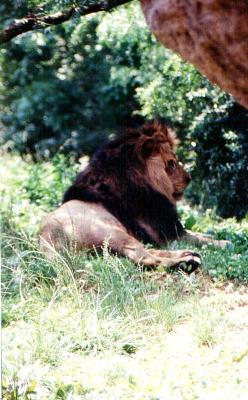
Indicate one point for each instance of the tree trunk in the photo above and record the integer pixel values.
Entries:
(211, 34)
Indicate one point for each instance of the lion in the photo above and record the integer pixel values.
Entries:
(126, 197)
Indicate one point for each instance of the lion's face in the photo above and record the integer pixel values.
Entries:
(164, 172)
(177, 175)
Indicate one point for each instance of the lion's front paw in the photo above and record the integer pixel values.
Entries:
(222, 243)
(189, 261)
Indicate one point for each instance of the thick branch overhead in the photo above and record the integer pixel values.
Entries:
(38, 21)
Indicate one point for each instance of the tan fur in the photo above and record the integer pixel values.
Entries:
(158, 178)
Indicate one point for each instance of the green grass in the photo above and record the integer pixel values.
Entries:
(209, 325)
(95, 326)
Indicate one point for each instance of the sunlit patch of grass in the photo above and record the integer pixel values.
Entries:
(208, 325)
(14, 388)
(160, 309)
(105, 336)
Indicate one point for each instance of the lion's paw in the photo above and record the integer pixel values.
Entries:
(222, 243)
(189, 262)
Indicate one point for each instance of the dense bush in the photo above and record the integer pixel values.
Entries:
(221, 165)
(53, 98)
(46, 182)
(68, 88)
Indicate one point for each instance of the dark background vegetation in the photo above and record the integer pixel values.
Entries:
(67, 88)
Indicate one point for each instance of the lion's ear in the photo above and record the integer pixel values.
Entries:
(152, 128)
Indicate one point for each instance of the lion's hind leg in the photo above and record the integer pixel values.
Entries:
(80, 225)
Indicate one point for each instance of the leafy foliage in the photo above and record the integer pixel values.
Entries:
(47, 182)
(221, 166)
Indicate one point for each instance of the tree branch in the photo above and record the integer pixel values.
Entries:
(37, 21)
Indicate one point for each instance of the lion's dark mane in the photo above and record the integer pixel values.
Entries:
(116, 178)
